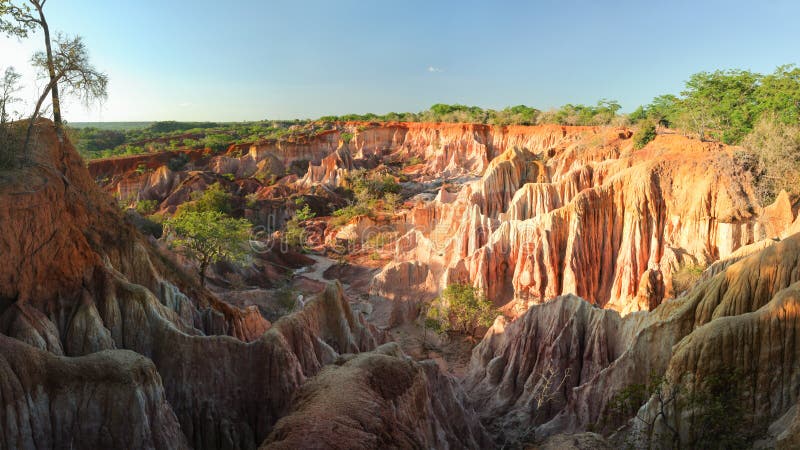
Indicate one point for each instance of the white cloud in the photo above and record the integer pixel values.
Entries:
(432, 69)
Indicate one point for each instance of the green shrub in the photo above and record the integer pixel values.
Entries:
(304, 213)
(146, 207)
(178, 163)
(346, 137)
(645, 134)
(413, 161)
(217, 142)
(214, 198)
(462, 308)
(294, 233)
(344, 215)
(286, 298)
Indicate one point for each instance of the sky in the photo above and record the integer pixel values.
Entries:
(258, 59)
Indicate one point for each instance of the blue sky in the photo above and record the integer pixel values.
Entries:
(249, 60)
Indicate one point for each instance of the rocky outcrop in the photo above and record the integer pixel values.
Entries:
(745, 316)
(79, 281)
(522, 373)
(110, 399)
(389, 402)
(584, 214)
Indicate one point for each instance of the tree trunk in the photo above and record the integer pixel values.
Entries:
(34, 116)
(52, 72)
(203, 268)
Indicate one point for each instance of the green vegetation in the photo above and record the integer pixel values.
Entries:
(413, 161)
(727, 104)
(214, 199)
(603, 113)
(208, 237)
(63, 62)
(294, 232)
(367, 191)
(146, 207)
(712, 407)
(461, 308)
(171, 125)
(178, 163)
(346, 137)
(772, 155)
(101, 140)
(286, 298)
(645, 134)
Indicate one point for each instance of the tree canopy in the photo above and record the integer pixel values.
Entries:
(209, 237)
(727, 104)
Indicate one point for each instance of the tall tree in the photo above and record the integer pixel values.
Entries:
(27, 20)
(67, 62)
(9, 86)
(70, 65)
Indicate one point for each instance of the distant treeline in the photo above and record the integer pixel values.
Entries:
(102, 142)
(727, 105)
(722, 105)
(603, 113)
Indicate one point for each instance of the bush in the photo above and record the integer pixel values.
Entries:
(344, 215)
(645, 134)
(178, 163)
(146, 207)
(461, 308)
(346, 137)
(286, 298)
(719, 419)
(772, 156)
(214, 198)
(145, 225)
(217, 142)
(294, 233)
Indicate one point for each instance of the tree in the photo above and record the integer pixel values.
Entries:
(214, 198)
(26, 21)
(774, 147)
(645, 134)
(721, 102)
(70, 67)
(9, 86)
(66, 64)
(9, 140)
(209, 237)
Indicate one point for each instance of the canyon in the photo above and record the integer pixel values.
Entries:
(581, 241)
